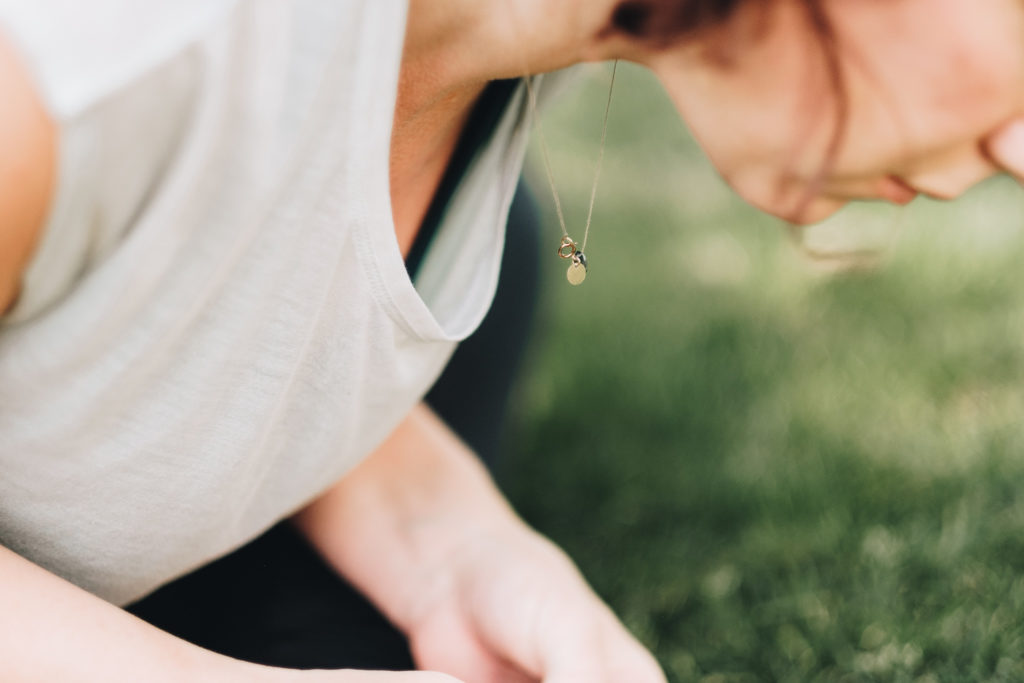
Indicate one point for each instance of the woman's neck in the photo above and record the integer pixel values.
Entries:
(457, 43)
(452, 49)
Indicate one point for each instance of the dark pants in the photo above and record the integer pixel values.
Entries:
(274, 601)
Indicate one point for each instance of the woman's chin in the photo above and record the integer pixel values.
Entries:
(816, 210)
(805, 211)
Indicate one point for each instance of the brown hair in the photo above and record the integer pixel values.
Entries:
(661, 20)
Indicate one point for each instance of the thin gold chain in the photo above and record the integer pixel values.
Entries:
(600, 156)
(532, 96)
(546, 156)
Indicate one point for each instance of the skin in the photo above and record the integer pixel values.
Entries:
(28, 141)
(925, 102)
(418, 526)
(482, 596)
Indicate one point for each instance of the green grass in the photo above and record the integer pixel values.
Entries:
(774, 473)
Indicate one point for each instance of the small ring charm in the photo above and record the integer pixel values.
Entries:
(567, 249)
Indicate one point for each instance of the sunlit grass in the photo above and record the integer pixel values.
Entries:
(772, 472)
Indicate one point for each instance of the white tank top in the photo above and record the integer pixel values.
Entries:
(218, 323)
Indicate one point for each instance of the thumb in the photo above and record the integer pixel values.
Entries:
(1006, 148)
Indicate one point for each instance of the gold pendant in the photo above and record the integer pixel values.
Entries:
(577, 272)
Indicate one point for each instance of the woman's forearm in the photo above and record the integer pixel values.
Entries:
(51, 630)
(392, 524)
(420, 528)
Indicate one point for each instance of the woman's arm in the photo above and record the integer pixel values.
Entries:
(398, 519)
(27, 170)
(420, 528)
(51, 630)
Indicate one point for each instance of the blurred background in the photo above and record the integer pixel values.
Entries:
(773, 470)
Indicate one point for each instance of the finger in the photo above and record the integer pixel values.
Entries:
(634, 672)
(610, 655)
(1006, 148)
(359, 676)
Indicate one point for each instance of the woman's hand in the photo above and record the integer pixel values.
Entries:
(514, 608)
(420, 528)
(354, 676)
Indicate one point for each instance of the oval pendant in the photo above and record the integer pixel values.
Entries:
(577, 272)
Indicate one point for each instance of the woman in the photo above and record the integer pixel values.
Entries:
(209, 326)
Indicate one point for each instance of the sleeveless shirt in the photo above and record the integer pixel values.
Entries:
(218, 323)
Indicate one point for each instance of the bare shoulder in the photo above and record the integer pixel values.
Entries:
(27, 170)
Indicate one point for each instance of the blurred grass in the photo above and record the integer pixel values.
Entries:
(774, 473)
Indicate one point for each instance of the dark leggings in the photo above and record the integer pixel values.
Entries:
(274, 601)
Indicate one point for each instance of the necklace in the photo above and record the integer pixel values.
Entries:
(568, 249)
